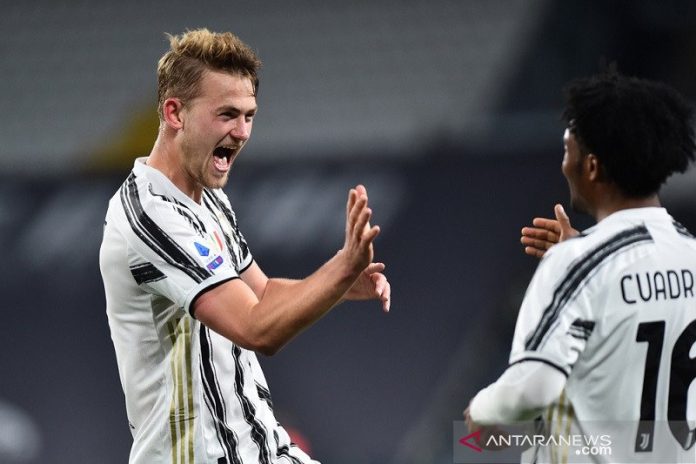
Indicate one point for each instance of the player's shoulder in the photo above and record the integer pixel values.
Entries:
(571, 247)
(141, 195)
(148, 200)
(613, 243)
(601, 239)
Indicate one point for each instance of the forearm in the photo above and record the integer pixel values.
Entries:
(288, 306)
(263, 314)
(521, 393)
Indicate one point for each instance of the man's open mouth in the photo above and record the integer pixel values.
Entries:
(222, 157)
(223, 152)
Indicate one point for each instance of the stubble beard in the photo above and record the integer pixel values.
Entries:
(199, 168)
(217, 182)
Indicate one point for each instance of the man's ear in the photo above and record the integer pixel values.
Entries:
(171, 111)
(593, 168)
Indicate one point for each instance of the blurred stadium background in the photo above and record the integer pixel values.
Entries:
(447, 110)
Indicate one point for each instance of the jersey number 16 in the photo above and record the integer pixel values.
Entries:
(681, 375)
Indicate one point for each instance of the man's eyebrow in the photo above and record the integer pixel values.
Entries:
(234, 109)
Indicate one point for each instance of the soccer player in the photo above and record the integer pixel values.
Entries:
(188, 306)
(602, 354)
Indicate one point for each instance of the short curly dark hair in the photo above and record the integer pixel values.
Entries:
(641, 131)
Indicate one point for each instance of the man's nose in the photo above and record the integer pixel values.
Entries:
(241, 130)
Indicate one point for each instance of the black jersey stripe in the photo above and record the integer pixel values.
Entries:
(259, 434)
(228, 240)
(581, 329)
(215, 401)
(682, 230)
(265, 395)
(183, 210)
(146, 273)
(577, 275)
(258, 430)
(217, 207)
(156, 238)
(222, 207)
(284, 450)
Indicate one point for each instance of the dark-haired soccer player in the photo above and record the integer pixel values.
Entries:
(603, 352)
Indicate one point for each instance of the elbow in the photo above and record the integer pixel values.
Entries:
(534, 403)
(264, 347)
(267, 349)
(265, 344)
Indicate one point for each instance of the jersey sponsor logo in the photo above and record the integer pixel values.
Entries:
(202, 249)
(212, 249)
(215, 263)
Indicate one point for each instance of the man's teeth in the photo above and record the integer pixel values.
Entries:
(223, 152)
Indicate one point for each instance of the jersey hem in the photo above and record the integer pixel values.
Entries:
(199, 289)
(242, 269)
(541, 360)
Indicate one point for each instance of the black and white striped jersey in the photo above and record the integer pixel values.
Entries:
(614, 310)
(192, 396)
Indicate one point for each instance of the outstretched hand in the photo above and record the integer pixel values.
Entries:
(371, 284)
(547, 232)
(359, 250)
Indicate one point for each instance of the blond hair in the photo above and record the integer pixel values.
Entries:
(179, 70)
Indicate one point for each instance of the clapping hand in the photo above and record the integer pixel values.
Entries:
(547, 232)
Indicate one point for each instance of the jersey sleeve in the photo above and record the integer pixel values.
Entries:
(555, 319)
(170, 252)
(521, 393)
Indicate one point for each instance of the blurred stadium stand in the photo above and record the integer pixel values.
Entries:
(339, 77)
(447, 110)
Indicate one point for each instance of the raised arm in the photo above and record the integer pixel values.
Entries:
(266, 320)
(547, 232)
